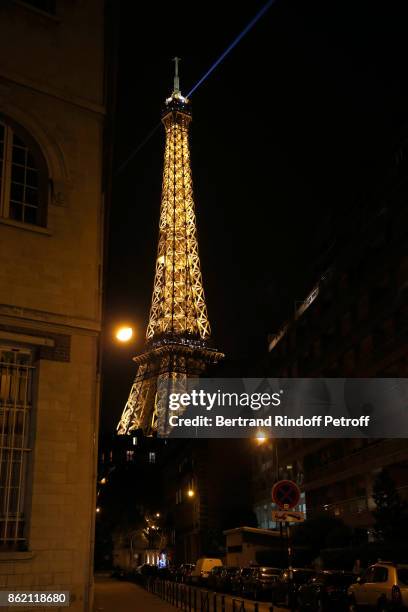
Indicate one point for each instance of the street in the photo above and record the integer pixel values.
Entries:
(112, 595)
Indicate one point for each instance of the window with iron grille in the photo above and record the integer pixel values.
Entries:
(23, 176)
(16, 379)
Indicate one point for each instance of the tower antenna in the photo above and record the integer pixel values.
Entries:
(176, 88)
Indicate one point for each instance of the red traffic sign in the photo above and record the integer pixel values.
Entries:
(285, 494)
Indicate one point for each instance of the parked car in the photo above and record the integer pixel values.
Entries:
(213, 580)
(285, 589)
(247, 580)
(146, 570)
(383, 587)
(164, 573)
(204, 565)
(183, 572)
(226, 577)
(325, 592)
(261, 581)
(239, 579)
(172, 573)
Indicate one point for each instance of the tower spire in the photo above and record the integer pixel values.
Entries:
(178, 330)
(176, 87)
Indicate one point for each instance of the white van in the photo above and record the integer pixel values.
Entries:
(203, 567)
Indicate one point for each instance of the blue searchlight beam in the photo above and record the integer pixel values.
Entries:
(234, 43)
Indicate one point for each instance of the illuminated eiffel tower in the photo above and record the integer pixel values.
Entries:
(178, 330)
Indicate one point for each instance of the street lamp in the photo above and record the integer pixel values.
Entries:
(260, 437)
(190, 493)
(98, 509)
(124, 333)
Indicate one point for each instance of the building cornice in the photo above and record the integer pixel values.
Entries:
(47, 321)
(46, 90)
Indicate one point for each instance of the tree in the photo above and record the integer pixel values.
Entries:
(391, 513)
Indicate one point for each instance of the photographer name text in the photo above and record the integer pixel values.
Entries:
(270, 421)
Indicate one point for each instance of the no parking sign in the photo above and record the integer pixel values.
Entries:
(286, 494)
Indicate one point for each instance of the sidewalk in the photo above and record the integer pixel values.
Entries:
(116, 596)
(113, 595)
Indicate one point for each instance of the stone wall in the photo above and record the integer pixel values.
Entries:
(52, 84)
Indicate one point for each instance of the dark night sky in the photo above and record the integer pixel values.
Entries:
(291, 127)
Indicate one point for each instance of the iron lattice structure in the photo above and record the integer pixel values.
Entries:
(178, 330)
(178, 304)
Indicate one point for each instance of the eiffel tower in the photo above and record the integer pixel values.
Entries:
(178, 331)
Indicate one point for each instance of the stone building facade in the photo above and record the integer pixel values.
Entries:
(54, 141)
(353, 324)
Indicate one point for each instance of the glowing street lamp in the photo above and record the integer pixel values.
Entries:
(98, 509)
(190, 493)
(260, 437)
(124, 334)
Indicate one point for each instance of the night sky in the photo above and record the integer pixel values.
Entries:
(288, 132)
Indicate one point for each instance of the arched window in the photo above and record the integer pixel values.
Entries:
(23, 176)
